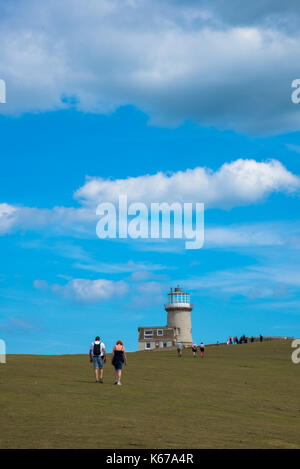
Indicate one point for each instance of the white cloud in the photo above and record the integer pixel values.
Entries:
(7, 217)
(86, 291)
(175, 61)
(240, 182)
(255, 234)
(60, 220)
(116, 268)
(250, 282)
(235, 237)
(86, 261)
(273, 278)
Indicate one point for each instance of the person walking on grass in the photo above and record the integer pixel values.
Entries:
(194, 349)
(202, 348)
(118, 358)
(98, 357)
(179, 349)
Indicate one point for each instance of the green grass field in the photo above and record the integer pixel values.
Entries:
(243, 396)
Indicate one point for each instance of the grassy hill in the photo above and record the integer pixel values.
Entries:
(240, 396)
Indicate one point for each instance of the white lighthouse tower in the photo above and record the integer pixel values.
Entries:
(179, 315)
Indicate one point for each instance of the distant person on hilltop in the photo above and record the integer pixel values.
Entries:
(202, 348)
(118, 358)
(179, 349)
(98, 357)
(194, 349)
(261, 338)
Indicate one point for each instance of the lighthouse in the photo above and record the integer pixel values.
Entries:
(178, 328)
(179, 310)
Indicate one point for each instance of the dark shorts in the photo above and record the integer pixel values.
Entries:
(118, 365)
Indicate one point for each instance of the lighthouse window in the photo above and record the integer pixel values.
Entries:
(148, 333)
(148, 345)
(160, 332)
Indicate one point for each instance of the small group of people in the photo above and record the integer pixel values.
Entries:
(194, 349)
(97, 354)
(235, 340)
(242, 340)
(231, 341)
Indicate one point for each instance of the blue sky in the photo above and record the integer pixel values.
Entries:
(79, 123)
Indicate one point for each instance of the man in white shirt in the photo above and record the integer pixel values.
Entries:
(98, 357)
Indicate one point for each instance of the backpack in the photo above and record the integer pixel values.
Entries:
(97, 350)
